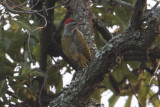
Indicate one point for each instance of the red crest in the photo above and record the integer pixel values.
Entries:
(68, 20)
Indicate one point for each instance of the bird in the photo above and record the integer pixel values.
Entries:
(74, 45)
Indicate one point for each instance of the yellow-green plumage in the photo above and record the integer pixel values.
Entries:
(75, 47)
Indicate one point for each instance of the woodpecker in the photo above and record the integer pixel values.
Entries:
(74, 44)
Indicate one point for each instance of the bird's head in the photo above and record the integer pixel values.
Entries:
(72, 23)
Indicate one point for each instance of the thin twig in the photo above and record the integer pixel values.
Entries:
(123, 3)
(57, 5)
(31, 11)
(20, 4)
(43, 84)
(135, 94)
(35, 4)
(155, 6)
(43, 25)
(29, 50)
(110, 9)
(155, 73)
(41, 90)
(16, 11)
(29, 35)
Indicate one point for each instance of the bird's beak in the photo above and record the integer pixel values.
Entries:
(82, 23)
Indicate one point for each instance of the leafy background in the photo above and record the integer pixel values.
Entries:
(20, 56)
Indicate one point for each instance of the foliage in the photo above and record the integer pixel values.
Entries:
(20, 50)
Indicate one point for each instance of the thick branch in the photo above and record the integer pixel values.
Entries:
(78, 92)
(45, 36)
(137, 14)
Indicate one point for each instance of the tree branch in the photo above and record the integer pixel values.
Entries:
(155, 6)
(78, 92)
(45, 42)
(137, 14)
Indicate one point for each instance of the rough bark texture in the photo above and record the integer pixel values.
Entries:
(78, 92)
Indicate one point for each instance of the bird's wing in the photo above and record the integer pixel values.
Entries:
(82, 44)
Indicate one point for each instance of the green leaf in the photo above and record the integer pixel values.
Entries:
(35, 87)
(15, 100)
(21, 77)
(55, 78)
(128, 102)
(108, 84)
(113, 100)
(36, 52)
(23, 23)
(6, 42)
(144, 90)
(37, 74)
(3, 87)
(26, 55)
(97, 95)
(53, 75)
(99, 40)
(134, 64)
(5, 72)
(14, 49)
(120, 72)
(59, 86)
(32, 41)
(59, 14)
